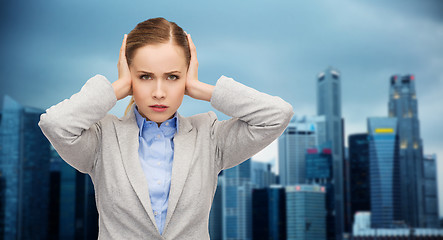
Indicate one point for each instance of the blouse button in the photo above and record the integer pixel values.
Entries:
(167, 124)
(158, 136)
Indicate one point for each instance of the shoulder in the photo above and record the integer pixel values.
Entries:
(110, 120)
(201, 122)
(202, 119)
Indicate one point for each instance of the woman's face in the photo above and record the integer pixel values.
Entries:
(158, 78)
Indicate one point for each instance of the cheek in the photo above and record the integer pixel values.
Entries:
(139, 92)
(178, 92)
(181, 89)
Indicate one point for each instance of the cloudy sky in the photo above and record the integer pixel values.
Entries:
(51, 48)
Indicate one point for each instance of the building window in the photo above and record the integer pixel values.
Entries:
(404, 144)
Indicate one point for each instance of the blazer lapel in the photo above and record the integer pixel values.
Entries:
(184, 141)
(184, 145)
(127, 134)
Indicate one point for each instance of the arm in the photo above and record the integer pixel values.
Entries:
(258, 119)
(72, 126)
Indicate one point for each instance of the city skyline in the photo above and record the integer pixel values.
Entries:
(278, 48)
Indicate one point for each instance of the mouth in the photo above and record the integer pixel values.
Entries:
(158, 108)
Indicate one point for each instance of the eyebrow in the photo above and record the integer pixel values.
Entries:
(175, 71)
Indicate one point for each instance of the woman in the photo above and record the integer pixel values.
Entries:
(178, 157)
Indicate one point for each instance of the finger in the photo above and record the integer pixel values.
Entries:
(191, 43)
(192, 48)
(123, 47)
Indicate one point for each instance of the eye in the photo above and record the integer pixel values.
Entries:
(173, 77)
(144, 77)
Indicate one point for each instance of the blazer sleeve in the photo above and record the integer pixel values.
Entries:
(73, 127)
(257, 120)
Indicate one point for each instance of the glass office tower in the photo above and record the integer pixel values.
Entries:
(269, 213)
(329, 105)
(430, 191)
(305, 212)
(384, 170)
(216, 214)
(236, 198)
(319, 171)
(24, 166)
(359, 173)
(301, 134)
(403, 105)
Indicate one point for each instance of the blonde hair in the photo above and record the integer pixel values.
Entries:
(154, 31)
(131, 102)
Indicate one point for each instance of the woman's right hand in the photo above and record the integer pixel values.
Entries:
(123, 85)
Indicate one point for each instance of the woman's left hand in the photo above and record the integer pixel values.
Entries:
(194, 88)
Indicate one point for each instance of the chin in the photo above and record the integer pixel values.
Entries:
(160, 117)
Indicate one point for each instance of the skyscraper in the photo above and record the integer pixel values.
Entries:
(216, 214)
(72, 212)
(403, 106)
(359, 173)
(384, 172)
(301, 134)
(430, 191)
(319, 171)
(237, 195)
(261, 175)
(24, 165)
(329, 105)
(306, 213)
(269, 213)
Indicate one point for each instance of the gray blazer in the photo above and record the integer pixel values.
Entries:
(106, 147)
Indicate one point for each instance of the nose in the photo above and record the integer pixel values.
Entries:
(159, 92)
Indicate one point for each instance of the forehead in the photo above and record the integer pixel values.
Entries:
(159, 58)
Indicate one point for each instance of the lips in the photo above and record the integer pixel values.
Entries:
(159, 106)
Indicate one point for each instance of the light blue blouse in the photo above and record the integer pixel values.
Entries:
(156, 152)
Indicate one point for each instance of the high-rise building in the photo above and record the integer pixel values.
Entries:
(216, 214)
(86, 214)
(269, 213)
(236, 202)
(384, 172)
(261, 175)
(319, 171)
(54, 196)
(72, 211)
(430, 191)
(403, 106)
(301, 134)
(305, 212)
(329, 105)
(2, 203)
(24, 165)
(359, 173)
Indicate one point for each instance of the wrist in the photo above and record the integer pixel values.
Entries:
(119, 89)
(202, 91)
